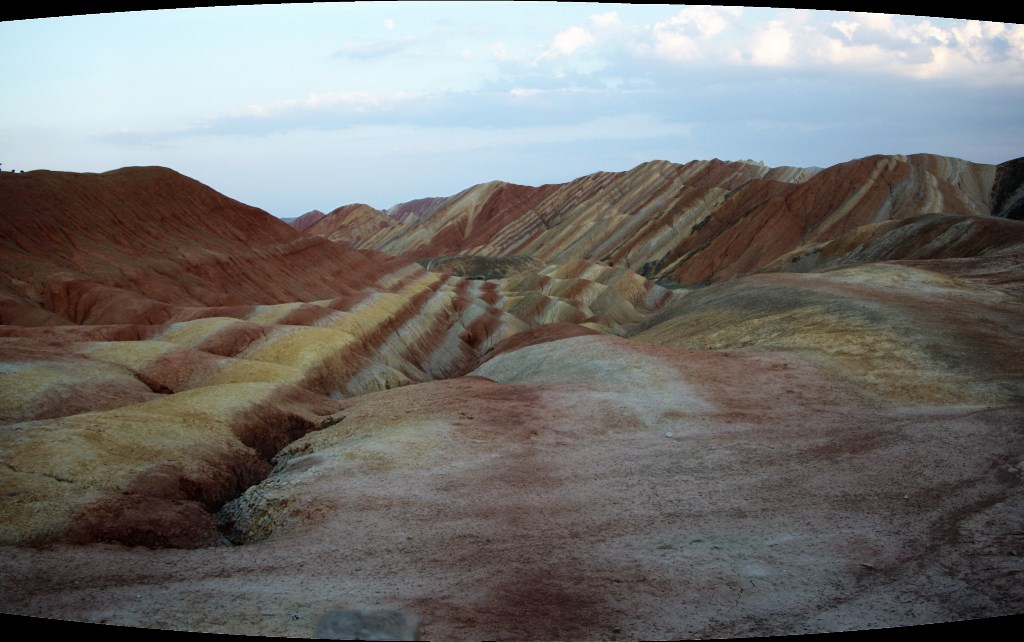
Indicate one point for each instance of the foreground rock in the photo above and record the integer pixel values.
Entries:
(589, 487)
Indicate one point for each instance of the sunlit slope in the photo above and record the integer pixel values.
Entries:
(699, 221)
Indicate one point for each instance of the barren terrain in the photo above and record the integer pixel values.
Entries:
(682, 412)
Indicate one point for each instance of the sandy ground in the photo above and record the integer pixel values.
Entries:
(645, 492)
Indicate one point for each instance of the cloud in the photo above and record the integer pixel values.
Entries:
(605, 21)
(566, 43)
(846, 27)
(353, 100)
(374, 48)
(686, 35)
(317, 111)
(523, 92)
(389, 24)
(501, 53)
(709, 62)
(416, 139)
(773, 45)
(617, 49)
(925, 48)
(977, 52)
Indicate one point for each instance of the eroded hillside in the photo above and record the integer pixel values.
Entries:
(211, 421)
(691, 223)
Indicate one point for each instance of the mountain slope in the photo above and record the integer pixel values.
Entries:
(352, 224)
(141, 295)
(704, 220)
(150, 244)
(303, 222)
(205, 414)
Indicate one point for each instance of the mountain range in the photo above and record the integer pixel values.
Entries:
(712, 399)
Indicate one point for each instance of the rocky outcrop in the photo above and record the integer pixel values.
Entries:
(1008, 190)
(700, 221)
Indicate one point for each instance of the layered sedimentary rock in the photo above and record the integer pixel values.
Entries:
(419, 208)
(461, 224)
(930, 236)
(700, 221)
(141, 288)
(212, 422)
(149, 245)
(306, 220)
(933, 333)
(352, 224)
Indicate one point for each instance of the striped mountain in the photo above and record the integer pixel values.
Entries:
(692, 223)
(480, 409)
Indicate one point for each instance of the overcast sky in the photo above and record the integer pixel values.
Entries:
(299, 107)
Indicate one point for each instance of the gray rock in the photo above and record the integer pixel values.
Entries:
(368, 625)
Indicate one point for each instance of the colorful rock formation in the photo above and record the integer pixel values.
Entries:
(211, 421)
(705, 220)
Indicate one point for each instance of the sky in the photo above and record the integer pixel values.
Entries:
(297, 107)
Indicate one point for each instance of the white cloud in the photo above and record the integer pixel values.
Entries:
(411, 139)
(566, 43)
(1015, 36)
(846, 27)
(772, 45)
(876, 21)
(501, 53)
(971, 51)
(707, 21)
(389, 24)
(676, 46)
(606, 21)
(836, 52)
(523, 92)
(686, 35)
(374, 48)
(352, 101)
(977, 52)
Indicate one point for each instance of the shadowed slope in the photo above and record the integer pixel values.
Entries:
(932, 236)
(147, 244)
(1008, 190)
